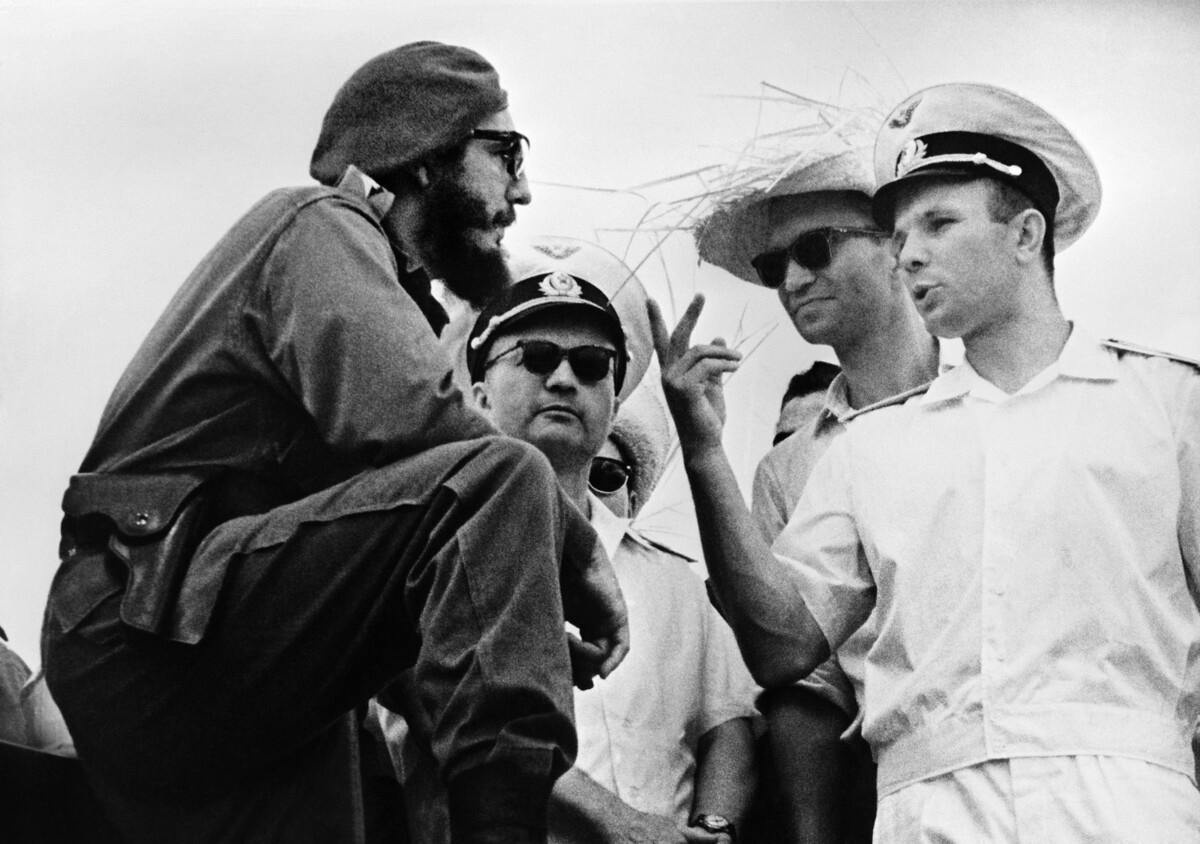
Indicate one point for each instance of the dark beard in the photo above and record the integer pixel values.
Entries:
(467, 271)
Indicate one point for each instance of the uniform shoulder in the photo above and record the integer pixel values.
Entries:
(1124, 347)
(293, 201)
(640, 537)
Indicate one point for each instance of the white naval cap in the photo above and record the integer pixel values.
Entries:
(969, 129)
(584, 259)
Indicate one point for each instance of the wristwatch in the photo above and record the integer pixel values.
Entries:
(715, 824)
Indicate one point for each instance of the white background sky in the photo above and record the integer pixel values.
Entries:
(134, 133)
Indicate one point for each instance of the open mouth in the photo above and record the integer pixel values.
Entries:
(921, 291)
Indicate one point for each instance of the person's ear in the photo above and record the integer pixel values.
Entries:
(421, 175)
(1030, 231)
(479, 392)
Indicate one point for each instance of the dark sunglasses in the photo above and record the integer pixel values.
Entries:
(513, 151)
(812, 250)
(608, 475)
(541, 357)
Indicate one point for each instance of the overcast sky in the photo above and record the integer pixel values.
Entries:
(133, 134)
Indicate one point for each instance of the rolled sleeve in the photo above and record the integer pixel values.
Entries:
(730, 691)
(821, 545)
(768, 498)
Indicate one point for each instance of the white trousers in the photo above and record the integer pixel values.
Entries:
(1032, 800)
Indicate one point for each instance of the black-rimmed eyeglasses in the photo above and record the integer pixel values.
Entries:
(812, 250)
(512, 153)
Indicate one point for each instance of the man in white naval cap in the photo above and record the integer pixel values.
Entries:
(665, 751)
(1028, 528)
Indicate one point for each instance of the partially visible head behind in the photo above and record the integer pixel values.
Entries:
(546, 359)
(404, 105)
(804, 398)
(964, 132)
(641, 437)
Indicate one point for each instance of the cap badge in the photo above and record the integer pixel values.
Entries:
(910, 156)
(560, 284)
(558, 252)
(902, 117)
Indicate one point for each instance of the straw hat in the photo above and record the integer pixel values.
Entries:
(736, 229)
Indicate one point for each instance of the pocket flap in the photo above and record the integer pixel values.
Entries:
(139, 505)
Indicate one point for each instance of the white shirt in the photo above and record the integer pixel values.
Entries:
(1031, 555)
(639, 728)
(779, 481)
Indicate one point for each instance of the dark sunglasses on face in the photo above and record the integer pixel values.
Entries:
(608, 475)
(812, 250)
(541, 357)
(513, 153)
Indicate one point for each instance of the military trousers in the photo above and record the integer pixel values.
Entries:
(444, 565)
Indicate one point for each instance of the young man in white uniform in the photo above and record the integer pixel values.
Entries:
(1029, 527)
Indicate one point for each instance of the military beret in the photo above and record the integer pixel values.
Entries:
(403, 105)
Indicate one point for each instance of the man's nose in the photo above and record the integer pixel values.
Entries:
(911, 254)
(796, 278)
(518, 190)
(562, 376)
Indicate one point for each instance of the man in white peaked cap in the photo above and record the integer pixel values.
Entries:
(1027, 529)
(665, 749)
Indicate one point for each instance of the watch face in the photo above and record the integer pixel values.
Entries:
(713, 823)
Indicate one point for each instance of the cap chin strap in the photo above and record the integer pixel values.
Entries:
(1012, 170)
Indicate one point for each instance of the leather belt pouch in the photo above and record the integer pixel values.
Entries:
(153, 524)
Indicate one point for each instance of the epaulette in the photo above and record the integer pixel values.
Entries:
(1123, 346)
(658, 546)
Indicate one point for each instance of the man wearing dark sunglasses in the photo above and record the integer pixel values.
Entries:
(810, 236)
(288, 505)
(664, 742)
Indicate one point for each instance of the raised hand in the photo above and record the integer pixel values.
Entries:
(692, 377)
